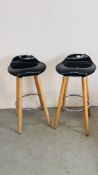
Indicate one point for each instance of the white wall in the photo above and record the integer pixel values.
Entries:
(50, 30)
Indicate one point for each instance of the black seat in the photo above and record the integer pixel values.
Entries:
(26, 65)
(76, 65)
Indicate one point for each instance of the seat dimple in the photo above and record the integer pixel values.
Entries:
(78, 57)
(24, 61)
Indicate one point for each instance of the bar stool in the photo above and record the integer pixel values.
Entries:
(75, 65)
(23, 66)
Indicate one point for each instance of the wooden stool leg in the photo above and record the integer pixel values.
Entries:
(17, 94)
(20, 105)
(42, 98)
(85, 101)
(57, 116)
(65, 92)
(89, 112)
(38, 90)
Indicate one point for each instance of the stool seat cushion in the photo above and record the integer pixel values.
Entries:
(76, 65)
(26, 65)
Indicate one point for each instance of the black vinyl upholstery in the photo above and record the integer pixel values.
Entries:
(76, 65)
(26, 65)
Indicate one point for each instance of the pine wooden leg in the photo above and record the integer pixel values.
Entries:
(42, 98)
(57, 116)
(85, 101)
(38, 90)
(20, 105)
(65, 92)
(17, 94)
(89, 112)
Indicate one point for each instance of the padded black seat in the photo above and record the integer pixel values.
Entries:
(26, 65)
(76, 65)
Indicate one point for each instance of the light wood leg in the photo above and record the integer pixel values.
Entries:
(38, 90)
(17, 94)
(42, 98)
(65, 92)
(85, 101)
(89, 112)
(57, 116)
(20, 106)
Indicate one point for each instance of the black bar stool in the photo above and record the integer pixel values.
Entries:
(75, 65)
(23, 66)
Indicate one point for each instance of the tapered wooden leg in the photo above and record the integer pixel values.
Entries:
(89, 112)
(57, 116)
(38, 90)
(17, 94)
(85, 101)
(42, 98)
(20, 105)
(65, 92)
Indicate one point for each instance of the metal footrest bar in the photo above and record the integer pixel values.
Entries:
(74, 109)
(26, 95)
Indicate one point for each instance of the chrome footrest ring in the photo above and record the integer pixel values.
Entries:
(74, 109)
(26, 95)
